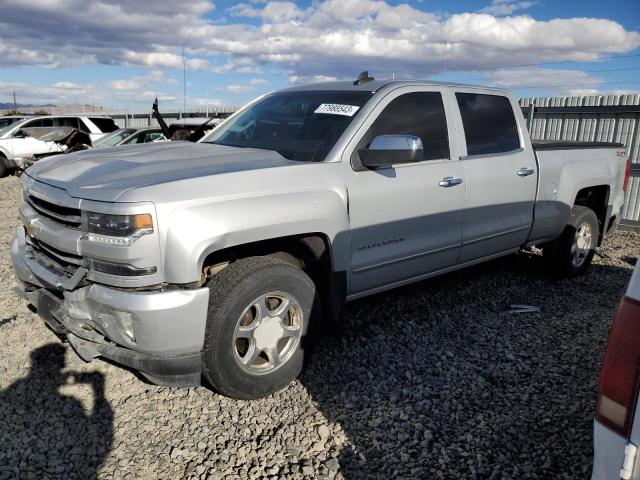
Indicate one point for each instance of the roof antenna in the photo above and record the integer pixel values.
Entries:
(363, 78)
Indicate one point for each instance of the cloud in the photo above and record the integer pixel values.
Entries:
(139, 81)
(326, 40)
(555, 79)
(237, 65)
(12, 85)
(332, 38)
(67, 85)
(339, 38)
(507, 7)
(212, 102)
(163, 59)
(59, 93)
(245, 87)
(271, 12)
(297, 80)
(59, 33)
(582, 92)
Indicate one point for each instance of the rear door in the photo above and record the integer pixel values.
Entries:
(403, 223)
(501, 175)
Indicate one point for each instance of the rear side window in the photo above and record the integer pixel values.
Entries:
(489, 123)
(417, 113)
(66, 122)
(106, 125)
(40, 122)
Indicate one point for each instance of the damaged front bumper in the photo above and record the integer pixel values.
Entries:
(158, 333)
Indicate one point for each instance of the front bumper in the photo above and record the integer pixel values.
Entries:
(159, 333)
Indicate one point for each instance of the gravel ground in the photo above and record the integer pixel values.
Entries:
(435, 380)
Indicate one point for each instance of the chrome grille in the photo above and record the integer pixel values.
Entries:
(62, 263)
(65, 215)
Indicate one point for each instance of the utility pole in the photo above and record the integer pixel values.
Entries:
(15, 104)
(184, 83)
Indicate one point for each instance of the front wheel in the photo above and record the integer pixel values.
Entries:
(571, 254)
(260, 309)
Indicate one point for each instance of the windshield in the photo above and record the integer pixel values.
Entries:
(112, 139)
(299, 125)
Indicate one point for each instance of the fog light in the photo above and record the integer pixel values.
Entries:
(120, 269)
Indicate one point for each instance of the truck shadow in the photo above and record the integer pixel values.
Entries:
(46, 434)
(440, 380)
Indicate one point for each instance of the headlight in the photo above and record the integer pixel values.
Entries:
(115, 229)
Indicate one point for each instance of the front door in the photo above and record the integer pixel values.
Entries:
(27, 146)
(404, 223)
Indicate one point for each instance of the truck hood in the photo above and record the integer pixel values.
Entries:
(105, 174)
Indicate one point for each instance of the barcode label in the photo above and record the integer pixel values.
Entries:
(336, 109)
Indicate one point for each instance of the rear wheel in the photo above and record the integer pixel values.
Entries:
(3, 167)
(260, 310)
(571, 254)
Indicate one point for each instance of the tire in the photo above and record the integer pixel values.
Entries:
(244, 324)
(3, 167)
(571, 254)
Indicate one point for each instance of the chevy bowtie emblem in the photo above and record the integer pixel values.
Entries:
(28, 227)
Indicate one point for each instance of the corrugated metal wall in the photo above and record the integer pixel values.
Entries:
(592, 124)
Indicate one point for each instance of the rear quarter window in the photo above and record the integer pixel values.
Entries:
(66, 122)
(489, 123)
(106, 125)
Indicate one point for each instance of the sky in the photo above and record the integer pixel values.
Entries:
(121, 54)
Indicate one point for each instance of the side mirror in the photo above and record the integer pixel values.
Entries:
(391, 149)
(19, 134)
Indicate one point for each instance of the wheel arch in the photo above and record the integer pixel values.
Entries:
(311, 252)
(596, 198)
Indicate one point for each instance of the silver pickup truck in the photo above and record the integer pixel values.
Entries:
(219, 260)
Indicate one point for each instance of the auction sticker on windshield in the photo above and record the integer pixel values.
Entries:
(337, 109)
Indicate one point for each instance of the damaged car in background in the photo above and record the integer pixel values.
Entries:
(26, 141)
(130, 136)
(188, 129)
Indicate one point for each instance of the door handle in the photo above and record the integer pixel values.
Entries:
(450, 181)
(525, 172)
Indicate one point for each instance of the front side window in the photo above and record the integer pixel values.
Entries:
(418, 113)
(299, 125)
(489, 123)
